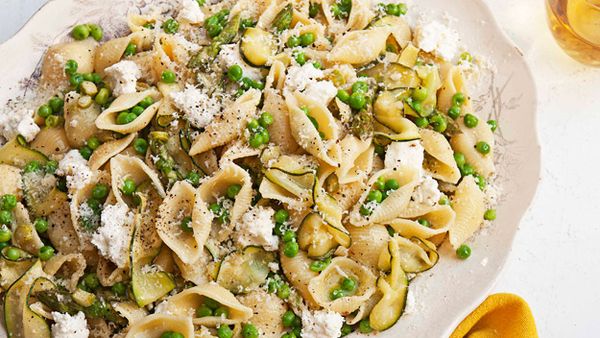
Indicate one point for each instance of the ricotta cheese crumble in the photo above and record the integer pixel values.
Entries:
(321, 91)
(410, 154)
(190, 11)
(67, 326)
(321, 324)
(256, 228)
(18, 122)
(124, 76)
(434, 37)
(299, 77)
(198, 107)
(112, 237)
(75, 167)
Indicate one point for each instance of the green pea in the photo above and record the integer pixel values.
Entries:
(365, 326)
(130, 50)
(336, 294)
(365, 211)
(293, 41)
(128, 187)
(343, 95)
(438, 122)
(32, 166)
(297, 326)
(102, 96)
(86, 152)
(56, 104)
(424, 222)
(146, 102)
(44, 111)
(375, 195)
(421, 122)
(360, 86)
(392, 9)
(211, 303)
(300, 58)
(12, 254)
(392, 184)
(168, 76)
(75, 80)
(204, 311)
(224, 332)
(348, 284)
(279, 229)
(257, 85)
(96, 32)
(171, 334)
(380, 183)
(194, 178)
(87, 77)
(265, 136)
(307, 39)
(91, 281)
(233, 190)
(222, 311)
(402, 8)
(357, 100)
(313, 9)
(235, 73)
(8, 202)
(420, 94)
(140, 146)
(273, 285)
(454, 112)
(41, 225)
(318, 266)
(288, 318)
(288, 236)
(71, 67)
(482, 147)
(46, 252)
(458, 99)
(96, 78)
(346, 330)
(80, 32)
(290, 249)
(281, 216)
(255, 141)
(490, 215)
(5, 235)
(170, 26)
(460, 159)
(444, 200)
(463, 251)
(467, 169)
(125, 117)
(93, 142)
(215, 208)
(493, 125)
(185, 224)
(252, 125)
(284, 290)
(52, 121)
(119, 289)
(249, 331)
(471, 120)
(266, 119)
(417, 107)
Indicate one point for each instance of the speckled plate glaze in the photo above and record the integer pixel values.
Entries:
(441, 297)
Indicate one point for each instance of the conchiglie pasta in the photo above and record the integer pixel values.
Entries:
(440, 219)
(298, 273)
(11, 181)
(356, 159)
(155, 325)
(108, 150)
(453, 82)
(108, 119)
(280, 131)
(123, 167)
(79, 120)
(367, 244)
(71, 267)
(469, 204)
(51, 141)
(465, 141)
(266, 318)
(360, 47)
(439, 157)
(112, 51)
(56, 57)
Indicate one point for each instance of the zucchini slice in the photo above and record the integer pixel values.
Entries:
(394, 288)
(16, 153)
(392, 76)
(389, 106)
(146, 286)
(15, 311)
(257, 46)
(244, 271)
(331, 212)
(417, 255)
(36, 325)
(314, 236)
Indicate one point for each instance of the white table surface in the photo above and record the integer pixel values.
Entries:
(555, 261)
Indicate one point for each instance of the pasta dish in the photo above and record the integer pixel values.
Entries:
(240, 168)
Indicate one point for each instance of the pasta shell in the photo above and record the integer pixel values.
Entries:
(307, 135)
(469, 204)
(396, 201)
(367, 244)
(298, 273)
(112, 51)
(415, 255)
(276, 77)
(320, 287)
(11, 181)
(237, 150)
(196, 272)
(439, 157)
(371, 42)
(108, 273)
(108, 119)
(453, 82)
(266, 318)
(465, 141)
(51, 141)
(360, 15)
(108, 150)
(181, 202)
(280, 131)
(130, 311)
(79, 122)
(356, 159)
(229, 125)
(71, 267)
(440, 218)
(190, 299)
(53, 66)
(123, 167)
(154, 325)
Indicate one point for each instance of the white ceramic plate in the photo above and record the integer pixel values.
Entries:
(447, 293)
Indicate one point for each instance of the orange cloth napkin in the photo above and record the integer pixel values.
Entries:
(501, 315)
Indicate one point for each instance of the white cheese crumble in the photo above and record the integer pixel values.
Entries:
(434, 37)
(321, 324)
(427, 192)
(322, 91)
(410, 154)
(230, 56)
(256, 228)
(67, 326)
(124, 76)
(186, 44)
(112, 237)
(190, 12)
(18, 122)
(198, 107)
(75, 167)
(298, 78)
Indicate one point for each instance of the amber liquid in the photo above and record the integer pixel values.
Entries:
(576, 27)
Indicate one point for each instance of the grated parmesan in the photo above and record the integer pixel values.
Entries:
(434, 37)
(198, 107)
